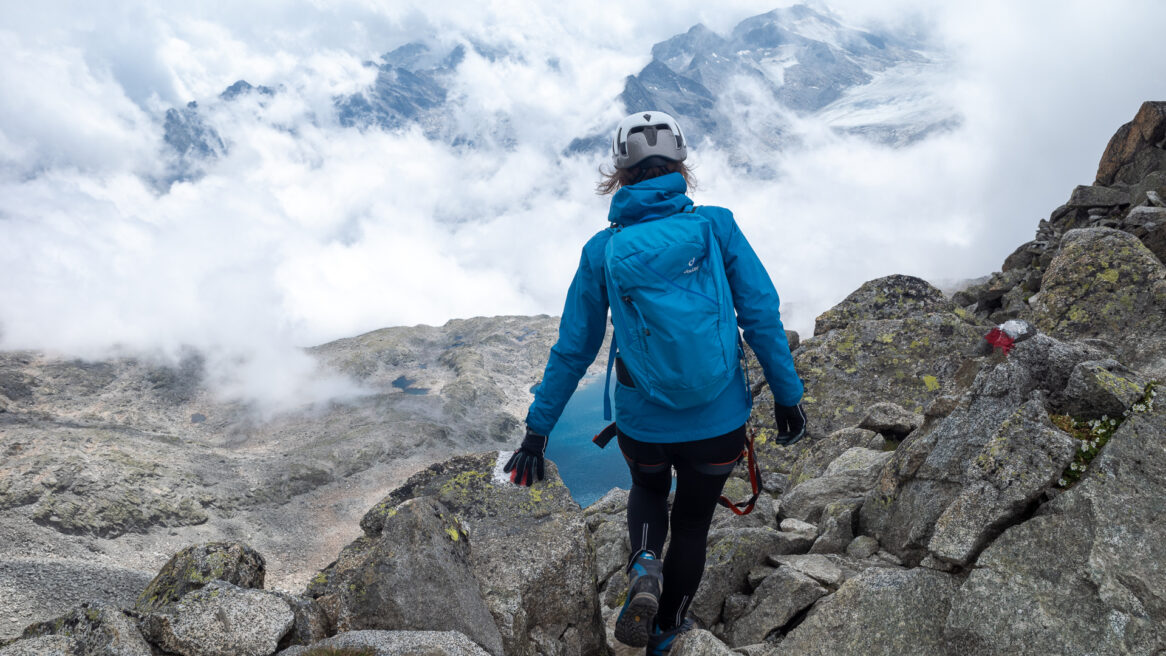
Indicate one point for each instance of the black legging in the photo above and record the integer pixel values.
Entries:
(702, 467)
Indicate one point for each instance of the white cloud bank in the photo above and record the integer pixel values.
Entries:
(308, 232)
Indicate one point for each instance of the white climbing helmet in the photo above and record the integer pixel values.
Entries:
(645, 136)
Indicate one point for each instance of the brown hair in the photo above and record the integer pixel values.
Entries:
(611, 180)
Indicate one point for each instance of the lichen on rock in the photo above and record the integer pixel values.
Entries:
(198, 565)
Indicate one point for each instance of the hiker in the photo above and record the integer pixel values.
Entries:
(679, 280)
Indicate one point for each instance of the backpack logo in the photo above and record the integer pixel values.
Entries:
(693, 267)
(647, 117)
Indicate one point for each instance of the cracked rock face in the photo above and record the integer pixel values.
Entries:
(412, 574)
(780, 596)
(529, 550)
(1021, 460)
(1087, 570)
(972, 473)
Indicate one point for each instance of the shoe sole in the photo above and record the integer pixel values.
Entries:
(635, 622)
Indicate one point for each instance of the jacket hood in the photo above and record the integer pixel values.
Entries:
(654, 198)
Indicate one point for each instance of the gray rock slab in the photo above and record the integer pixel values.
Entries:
(791, 525)
(1098, 196)
(221, 619)
(1106, 284)
(849, 477)
(732, 553)
(531, 554)
(824, 569)
(863, 546)
(838, 522)
(932, 467)
(310, 624)
(759, 574)
(95, 629)
(699, 642)
(776, 601)
(788, 542)
(1024, 458)
(607, 524)
(858, 459)
(907, 361)
(37, 589)
(397, 643)
(414, 574)
(1087, 570)
(42, 646)
(1100, 388)
(880, 611)
(818, 453)
(891, 418)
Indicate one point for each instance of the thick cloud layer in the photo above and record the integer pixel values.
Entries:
(307, 231)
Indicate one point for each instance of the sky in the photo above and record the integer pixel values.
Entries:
(308, 232)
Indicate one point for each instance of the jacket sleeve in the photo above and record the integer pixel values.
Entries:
(758, 310)
(581, 331)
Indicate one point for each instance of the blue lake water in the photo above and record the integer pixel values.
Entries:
(588, 471)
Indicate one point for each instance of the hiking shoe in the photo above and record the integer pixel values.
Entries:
(634, 624)
(660, 642)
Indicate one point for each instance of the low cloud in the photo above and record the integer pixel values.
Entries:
(307, 232)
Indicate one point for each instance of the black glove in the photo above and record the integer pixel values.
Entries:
(526, 465)
(791, 423)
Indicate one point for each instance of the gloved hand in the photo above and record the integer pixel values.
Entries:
(791, 423)
(526, 465)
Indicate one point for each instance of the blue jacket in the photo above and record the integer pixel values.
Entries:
(584, 323)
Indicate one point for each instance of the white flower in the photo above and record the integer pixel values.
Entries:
(1073, 466)
(1084, 447)
(1062, 482)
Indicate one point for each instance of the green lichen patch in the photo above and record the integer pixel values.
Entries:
(194, 567)
(466, 486)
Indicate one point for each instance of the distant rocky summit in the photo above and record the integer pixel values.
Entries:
(952, 497)
(791, 62)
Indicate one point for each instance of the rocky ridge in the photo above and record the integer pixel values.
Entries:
(964, 500)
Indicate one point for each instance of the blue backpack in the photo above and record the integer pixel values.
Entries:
(672, 310)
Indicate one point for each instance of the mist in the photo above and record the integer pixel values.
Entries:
(306, 231)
